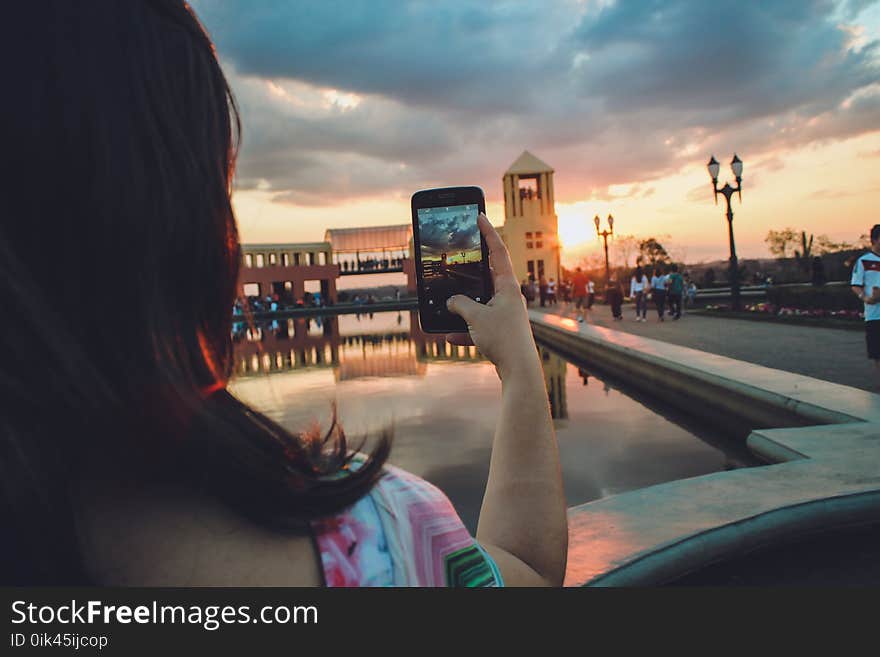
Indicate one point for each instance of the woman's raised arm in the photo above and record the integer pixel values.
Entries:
(523, 522)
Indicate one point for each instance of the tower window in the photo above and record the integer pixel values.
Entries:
(529, 245)
(529, 188)
(539, 245)
(528, 235)
(538, 235)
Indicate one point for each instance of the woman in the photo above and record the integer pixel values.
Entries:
(125, 460)
(658, 291)
(638, 288)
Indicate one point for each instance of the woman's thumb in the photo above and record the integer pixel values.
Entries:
(464, 307)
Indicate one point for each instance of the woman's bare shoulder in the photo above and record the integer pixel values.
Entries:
(170, 536)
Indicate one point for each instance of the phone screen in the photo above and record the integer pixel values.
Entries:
(451, 254)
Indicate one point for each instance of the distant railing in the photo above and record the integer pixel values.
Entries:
(755, 290)
(371, 266)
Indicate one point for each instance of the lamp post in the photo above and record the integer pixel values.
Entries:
(736, 166)
(604, 235)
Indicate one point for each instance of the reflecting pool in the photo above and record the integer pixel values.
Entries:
(442, 403)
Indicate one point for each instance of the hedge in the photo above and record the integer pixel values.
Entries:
(808, 298)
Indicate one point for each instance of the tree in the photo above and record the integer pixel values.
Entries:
(803, 256)
(623, 248)
(779, 241)
(592, 262)
(652, 252)
(825, 245)
(785, 241)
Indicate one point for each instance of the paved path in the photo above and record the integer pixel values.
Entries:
(835, 355)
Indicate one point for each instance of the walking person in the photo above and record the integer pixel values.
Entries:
(638, 290)
(542, 290)
(614, 294)
(591, 294)
(674, 291)
(524, 290)
(579, 292)
(692, 294)
(865, 283)
(551, 292)
(658, 291)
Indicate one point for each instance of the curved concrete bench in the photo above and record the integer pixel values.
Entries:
(822, 477)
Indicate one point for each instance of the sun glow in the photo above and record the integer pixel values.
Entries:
(576, 228)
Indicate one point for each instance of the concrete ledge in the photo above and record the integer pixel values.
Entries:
(824, 477)
(762, 396)
(715, 545)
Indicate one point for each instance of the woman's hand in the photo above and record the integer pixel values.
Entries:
(499, 329)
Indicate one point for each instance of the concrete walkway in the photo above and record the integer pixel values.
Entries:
(835, 355)
(823, 478)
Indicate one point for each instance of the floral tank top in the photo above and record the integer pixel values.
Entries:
(404, 532)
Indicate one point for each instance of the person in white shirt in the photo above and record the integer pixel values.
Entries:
(658, 290)
(638, 290)
(865, 284)
(551, 291)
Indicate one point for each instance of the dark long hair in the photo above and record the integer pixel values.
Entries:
(119, 257)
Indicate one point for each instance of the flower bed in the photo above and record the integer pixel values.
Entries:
(770, 311)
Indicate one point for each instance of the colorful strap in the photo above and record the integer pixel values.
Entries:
(404, 532)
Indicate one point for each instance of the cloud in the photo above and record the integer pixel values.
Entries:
(834, 194)
(448, 233)
(348, 99)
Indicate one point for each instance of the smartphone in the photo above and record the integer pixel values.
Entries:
(451, 255)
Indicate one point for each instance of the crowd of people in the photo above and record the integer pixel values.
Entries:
(372, 264)
(670, 291)
(549, 292)
(274, 302)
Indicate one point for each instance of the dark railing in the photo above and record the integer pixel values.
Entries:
(756, 290)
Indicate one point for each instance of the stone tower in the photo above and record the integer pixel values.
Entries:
(530, 222)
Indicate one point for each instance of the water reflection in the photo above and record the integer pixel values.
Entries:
(354, 345)
(442, 402)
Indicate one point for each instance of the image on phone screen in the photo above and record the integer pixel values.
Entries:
(451, 254)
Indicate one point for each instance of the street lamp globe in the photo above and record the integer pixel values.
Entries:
(714, 167)
(596, 221)
(736, 166)
(611, 223)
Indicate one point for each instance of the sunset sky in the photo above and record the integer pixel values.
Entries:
(349, 107)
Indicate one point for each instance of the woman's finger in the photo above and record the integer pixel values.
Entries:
(499, 258)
